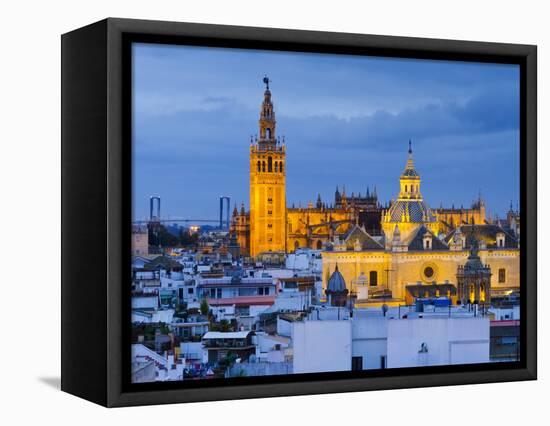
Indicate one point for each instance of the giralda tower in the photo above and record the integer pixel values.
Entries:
(267, 184)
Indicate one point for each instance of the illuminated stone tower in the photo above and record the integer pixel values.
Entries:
(267, 184)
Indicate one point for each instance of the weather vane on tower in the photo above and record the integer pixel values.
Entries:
(266, 81)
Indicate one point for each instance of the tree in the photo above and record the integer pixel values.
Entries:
(204, 307)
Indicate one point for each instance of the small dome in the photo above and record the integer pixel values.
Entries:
(336, 282)
(474, 263)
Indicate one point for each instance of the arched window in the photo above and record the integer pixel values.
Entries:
(269, 164)
(263, 166)
(276, 166)
(406, 188)
(259, 165)
(281, 167)
(319, 245)
(268, 133)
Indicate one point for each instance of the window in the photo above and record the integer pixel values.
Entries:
(269, 212)
(281, 167)
(269, 225)
(356, 363)
(383, 361)
(212, 293)
(428, 271)
(276, 166)
(219, 293)
(268, 133)
(269, 164)
(373, 278)
(259, 165)
(502, 275)
(319, 245)
(190, 290)
(427, 245)
(270, 200)
(405, 188)
(263, 166)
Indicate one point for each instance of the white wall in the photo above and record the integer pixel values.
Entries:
(369, 339)
(321, 346)
(449, 341)
(501, 314)
(284, 328)
(192, 351)
(139, 302)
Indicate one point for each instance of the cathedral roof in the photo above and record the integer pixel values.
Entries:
(336, 282)
(417, 241)
(486, 233)
(359, 233)
(416, 210)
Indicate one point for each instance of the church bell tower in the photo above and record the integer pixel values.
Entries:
(267, 184)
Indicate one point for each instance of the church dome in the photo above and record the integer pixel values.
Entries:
(415, 210)
(336, 282)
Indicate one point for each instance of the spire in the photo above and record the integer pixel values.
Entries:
(409, 168)
(267, 118)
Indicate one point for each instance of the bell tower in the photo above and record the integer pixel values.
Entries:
(267, 184)
(409, 182)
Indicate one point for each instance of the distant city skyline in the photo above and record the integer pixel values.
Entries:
(346, 120)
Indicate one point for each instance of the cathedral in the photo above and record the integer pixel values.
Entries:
(272, 226)
(418, 253)
(390, 249)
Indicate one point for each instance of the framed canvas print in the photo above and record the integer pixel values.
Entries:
(253, 212)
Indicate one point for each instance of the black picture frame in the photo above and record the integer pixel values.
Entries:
(96, 201)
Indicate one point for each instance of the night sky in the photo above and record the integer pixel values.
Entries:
(347, 121)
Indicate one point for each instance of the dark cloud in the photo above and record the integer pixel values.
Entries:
(347, 120)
